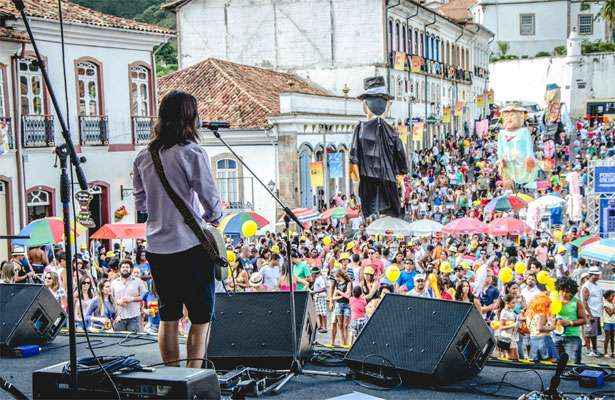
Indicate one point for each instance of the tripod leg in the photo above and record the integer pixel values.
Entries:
(283, 382)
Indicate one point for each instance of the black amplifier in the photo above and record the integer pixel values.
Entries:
(161, 383)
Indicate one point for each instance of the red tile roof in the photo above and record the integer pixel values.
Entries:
(11, 35)
(242, 95)
(458, 10)
(48, 9)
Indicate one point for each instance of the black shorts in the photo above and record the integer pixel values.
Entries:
(185, 278)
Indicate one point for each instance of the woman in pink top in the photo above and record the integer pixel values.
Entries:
(358, 319)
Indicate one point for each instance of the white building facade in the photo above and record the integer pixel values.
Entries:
(530, 27)
(337, 44)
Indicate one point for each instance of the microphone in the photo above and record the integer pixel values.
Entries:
(554, 384)
(215, 125)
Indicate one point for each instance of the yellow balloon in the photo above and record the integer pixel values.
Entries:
(392, 273)
(550, 284)
(249, 228)
(230, 256)
(445, 267)
(506, 274)
(556, 306)
(326, 240)
(520, 267)
(558, 235)
(275, 249)
(542, 277)
(495, 324)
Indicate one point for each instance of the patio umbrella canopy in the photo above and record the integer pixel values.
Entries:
(389, 224)
(233, 222)
(505, 203)
(602, 250)
(335, 213)
(464, 226)
(306, 214)
(548, 201)
(425, 227)
(508, 226)
(120, 231)
(49, 230)
(585, 240)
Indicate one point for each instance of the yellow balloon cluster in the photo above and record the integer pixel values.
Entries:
(249, 228)
(230, 256)
(542, 277)
(556, 306)
(520, 267)
(326, 240)
(550, 284)
(506, 274)
(392, 273)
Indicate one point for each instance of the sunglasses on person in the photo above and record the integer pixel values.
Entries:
(86, 283)
(420, 280)
(48, 278)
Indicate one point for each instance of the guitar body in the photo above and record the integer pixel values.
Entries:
(220, 264)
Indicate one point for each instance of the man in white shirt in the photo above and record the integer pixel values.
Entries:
(271, 273)
(420, 288)
(593, 302)
(530, 290)
(127, 292)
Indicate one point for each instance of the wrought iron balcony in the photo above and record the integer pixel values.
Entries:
(142, 128)
(10, 135)
(93, 130)
(37, 131)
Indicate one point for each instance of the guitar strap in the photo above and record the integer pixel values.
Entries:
(205, 237)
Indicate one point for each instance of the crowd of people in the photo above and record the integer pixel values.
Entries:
(539, 298)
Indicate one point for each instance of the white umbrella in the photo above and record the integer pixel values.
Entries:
(548, 201)
(425, 227)
(389, 224)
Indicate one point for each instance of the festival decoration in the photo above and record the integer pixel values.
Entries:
(230, 256)
(249, 228)
(505, 274)
(516, 160)
(555, 307)
(326, 240)
(392, 273)
(550, 284)
(542, 277)
(520, 267)
(120, 213)
(317, 176)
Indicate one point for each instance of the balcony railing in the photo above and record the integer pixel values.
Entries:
(236, 193)
(142, 128)
(93, 130)
(37, 131)
(10, 135)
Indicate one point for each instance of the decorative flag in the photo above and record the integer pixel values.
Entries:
(401, 60)
(458, 108)
(416, 63)
(480, 101)
(335, 165)
(446, 115)
(402, 131)
(490, 96)
(4, 138)
(316, 174)
(417, 131)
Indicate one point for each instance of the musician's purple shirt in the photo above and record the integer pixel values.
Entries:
(187, 169)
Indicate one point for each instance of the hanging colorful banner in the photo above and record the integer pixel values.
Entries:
(417, 131)
(4, 138)
(401, 61)
(480, 101)
(416, 63)
(335, 165)
(402, 131)
(490, 96)
(446, 115)
(317, 177)
(458, 109)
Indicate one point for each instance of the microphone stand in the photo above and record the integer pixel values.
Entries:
(64, 152)
(296, 368)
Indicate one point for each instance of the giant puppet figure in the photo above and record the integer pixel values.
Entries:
(516, 160)
(377, 155)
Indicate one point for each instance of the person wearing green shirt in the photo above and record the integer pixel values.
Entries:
(569, 320)
(301, 271)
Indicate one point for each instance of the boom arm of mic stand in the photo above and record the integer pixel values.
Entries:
(72, 154)
(289, 213)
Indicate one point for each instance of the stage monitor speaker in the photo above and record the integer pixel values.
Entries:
(425, 341)
(254, 330)
(29, 314)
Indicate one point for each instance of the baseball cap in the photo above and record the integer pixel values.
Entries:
(344, 256)
(419, 276)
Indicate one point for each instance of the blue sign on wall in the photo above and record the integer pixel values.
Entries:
(607, 217)
(604, 179)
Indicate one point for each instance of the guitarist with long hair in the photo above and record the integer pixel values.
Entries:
(181, 269)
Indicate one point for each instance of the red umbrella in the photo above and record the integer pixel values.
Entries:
(120, 231)
(465, 225)
(508, 226)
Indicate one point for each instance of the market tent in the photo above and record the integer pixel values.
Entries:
(602, 250)
(425, 227)
(386, 225)
(120, 231)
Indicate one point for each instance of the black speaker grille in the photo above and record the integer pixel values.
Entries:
(256, 325)
(411, 333)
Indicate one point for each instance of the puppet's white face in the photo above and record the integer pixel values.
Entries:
(513, 119)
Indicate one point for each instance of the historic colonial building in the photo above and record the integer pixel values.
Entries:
(111, 103)
(435, 62)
